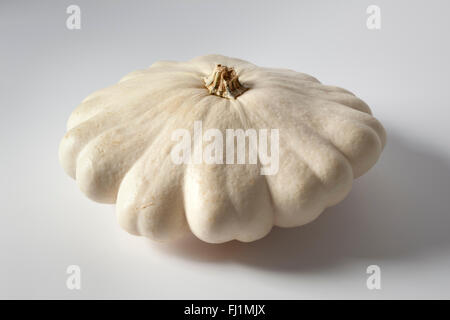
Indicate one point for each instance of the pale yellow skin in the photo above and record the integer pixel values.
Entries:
(119, 140)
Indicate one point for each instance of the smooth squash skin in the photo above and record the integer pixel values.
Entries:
(119, 141)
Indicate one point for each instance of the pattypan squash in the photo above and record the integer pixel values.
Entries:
(220, 147)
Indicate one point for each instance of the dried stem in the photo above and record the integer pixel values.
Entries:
(224, 82)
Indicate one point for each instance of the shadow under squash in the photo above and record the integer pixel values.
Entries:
(401, 207)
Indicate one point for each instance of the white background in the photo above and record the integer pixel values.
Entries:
(397, 215)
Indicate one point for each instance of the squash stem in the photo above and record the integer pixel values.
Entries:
(224, 82)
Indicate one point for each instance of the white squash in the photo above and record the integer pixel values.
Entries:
(119, 143)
